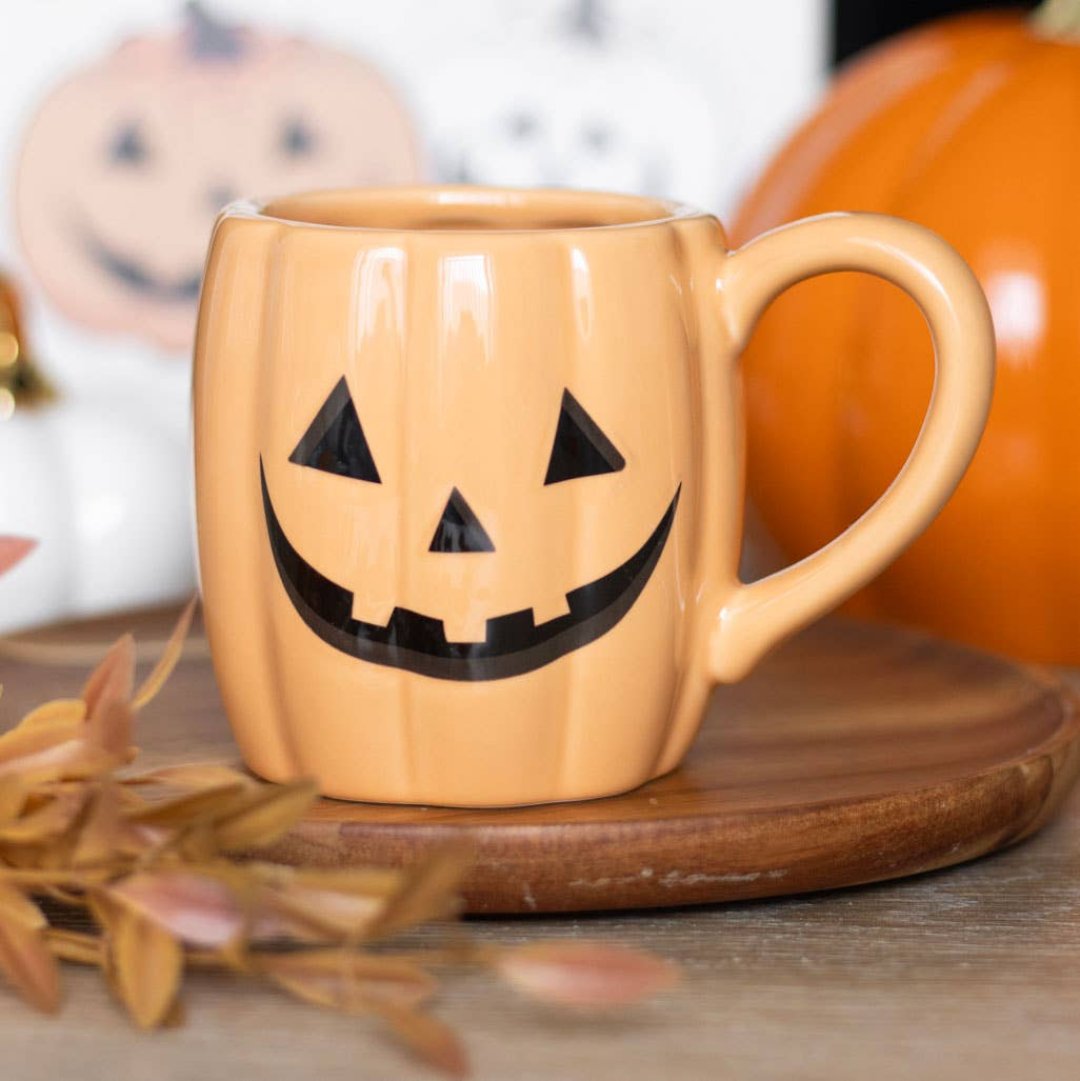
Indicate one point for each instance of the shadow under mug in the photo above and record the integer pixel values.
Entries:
(469, 478)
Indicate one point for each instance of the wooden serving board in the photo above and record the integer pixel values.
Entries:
(854, 754)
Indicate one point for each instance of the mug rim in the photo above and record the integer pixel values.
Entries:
(602, 211)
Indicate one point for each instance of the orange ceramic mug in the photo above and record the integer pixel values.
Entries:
(469, 467)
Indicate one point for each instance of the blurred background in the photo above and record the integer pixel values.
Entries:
(126, 124)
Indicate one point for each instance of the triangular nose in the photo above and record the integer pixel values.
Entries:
(459, 530)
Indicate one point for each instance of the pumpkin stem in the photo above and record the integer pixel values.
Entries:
(21, 384)
(210, 38)
(1057, 18)
(587, 20)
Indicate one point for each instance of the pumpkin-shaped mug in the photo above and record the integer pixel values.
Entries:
(469, 479)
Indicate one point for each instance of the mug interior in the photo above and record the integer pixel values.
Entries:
(471, 208)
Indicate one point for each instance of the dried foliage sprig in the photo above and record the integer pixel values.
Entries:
(152, 861)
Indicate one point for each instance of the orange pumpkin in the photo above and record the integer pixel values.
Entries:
(969, 127)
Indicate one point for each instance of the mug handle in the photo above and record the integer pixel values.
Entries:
(754, 617)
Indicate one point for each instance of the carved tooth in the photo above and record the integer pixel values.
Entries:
(557, 605)
(413, 630)
(467, 626)
(515, 630)
(372, 610)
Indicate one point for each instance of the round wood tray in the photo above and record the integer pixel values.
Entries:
(854, 754)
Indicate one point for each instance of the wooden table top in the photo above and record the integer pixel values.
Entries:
(969, 973)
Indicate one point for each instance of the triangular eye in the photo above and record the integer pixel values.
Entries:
(334, 441)
(581, 449)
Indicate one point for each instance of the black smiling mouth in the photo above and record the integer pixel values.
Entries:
(135, 277)
(513, 644)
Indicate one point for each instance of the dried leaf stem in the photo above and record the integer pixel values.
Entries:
(159, 865)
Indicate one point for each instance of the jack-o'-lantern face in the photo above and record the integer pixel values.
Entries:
(513, 643)
(574, 109)
(126, 164)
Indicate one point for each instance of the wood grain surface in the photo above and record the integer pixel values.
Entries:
(855, 753)
(969, 974)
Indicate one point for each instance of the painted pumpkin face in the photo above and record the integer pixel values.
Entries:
(576, 109)
(511, 644)
(126, 164)
(570, 116)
